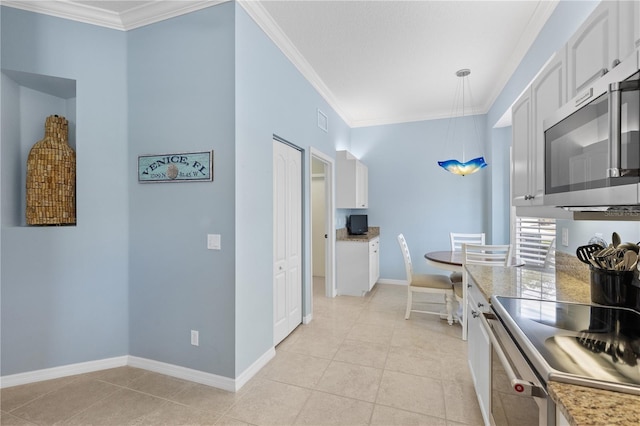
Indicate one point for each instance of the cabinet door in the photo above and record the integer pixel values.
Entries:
(628, 27)
(479, 355)
(362, 185)
(521, 128)
(636, 27)
(352, 268)
(548, 94)
(592, 49)
(352, 182)
(636, 23)
(374, 262)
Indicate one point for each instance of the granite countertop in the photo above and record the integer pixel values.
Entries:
(589, 406)
(579, 404)
(343, 235)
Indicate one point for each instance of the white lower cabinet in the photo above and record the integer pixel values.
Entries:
(561, 420)
(357, 266)
(479, 350)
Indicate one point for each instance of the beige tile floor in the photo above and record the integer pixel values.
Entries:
(358, 363)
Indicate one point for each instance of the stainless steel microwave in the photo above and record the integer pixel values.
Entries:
(592, 144)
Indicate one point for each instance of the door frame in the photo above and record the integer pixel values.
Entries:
(330, 226)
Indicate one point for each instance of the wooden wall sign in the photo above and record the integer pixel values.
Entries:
(185, 167)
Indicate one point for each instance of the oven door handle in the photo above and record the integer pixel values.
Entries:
(522, 387)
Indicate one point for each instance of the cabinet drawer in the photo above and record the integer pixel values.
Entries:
(373, 245)
(476, 299)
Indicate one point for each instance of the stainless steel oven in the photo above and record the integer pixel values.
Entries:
(540, 340)
(518, 395)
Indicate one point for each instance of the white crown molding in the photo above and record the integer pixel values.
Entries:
(151, 13)
(140, 16)
(264, 20)
(69, 10)
(396, 120)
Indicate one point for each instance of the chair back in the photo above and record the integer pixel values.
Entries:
(407, 257)
(457, 240)
(479, 254)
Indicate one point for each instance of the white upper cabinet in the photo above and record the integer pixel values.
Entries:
(628, 27)
(352, 182)
(521, 159)
(546, 94)
(608, 36)
(636, 21)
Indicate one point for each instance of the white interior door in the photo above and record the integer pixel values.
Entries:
(287, 238)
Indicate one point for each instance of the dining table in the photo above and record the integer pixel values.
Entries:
(448, 260)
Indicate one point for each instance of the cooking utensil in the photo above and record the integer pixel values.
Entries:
(629, 246)
(615, 239)
(584, 253)
(629, 260)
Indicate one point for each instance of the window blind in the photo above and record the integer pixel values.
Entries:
(535, 241)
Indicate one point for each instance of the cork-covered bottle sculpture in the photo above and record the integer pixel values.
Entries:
(51, 177)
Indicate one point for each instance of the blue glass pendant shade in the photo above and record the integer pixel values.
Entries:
(462, 169)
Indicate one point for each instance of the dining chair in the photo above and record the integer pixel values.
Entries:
(426, 283)
(457, 240)
(478, 254)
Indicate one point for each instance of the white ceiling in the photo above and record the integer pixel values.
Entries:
(375, 62)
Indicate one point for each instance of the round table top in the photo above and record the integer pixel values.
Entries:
(448, 256)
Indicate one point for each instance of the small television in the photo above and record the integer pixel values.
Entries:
(357, 224)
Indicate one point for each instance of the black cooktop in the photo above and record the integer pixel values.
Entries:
(576, 343)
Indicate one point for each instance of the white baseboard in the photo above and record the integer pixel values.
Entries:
(307, 319)
(257, 365)
(62, 371)
(209, 379)
(184, 373)
(391, 281)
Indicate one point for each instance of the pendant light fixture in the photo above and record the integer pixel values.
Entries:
(463, 167)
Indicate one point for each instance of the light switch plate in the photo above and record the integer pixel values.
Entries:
(565, 237)
(213, 241)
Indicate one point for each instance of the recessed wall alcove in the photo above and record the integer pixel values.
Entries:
(27, 100)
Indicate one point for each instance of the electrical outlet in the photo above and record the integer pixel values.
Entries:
(565, 237)
(195, 338)
(213, 241)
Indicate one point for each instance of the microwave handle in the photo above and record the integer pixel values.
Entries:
(615, 161)
(615, 124)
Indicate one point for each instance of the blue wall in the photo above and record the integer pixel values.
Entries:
(64, 289)
(410, 194)
(134, 277)
(500, 194)
(181, 99)
(272, 98)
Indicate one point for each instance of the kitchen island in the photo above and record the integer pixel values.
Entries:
(580, 405)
